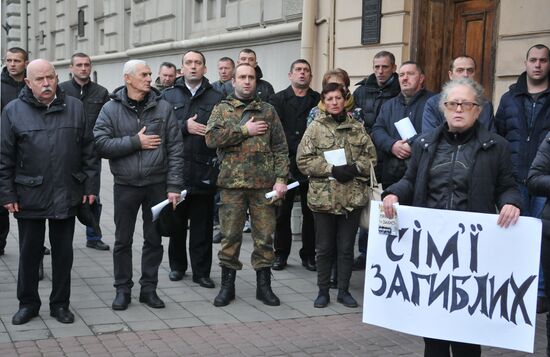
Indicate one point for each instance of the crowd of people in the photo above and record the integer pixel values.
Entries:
(229, 142)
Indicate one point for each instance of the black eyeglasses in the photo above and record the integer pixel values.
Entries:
(467, 106)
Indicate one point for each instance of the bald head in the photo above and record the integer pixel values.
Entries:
(42, 80)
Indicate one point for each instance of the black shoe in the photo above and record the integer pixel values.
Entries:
(24, 315)
(46, 251)
(279, 263)
(345, 298)
(309, 264)
(97, 244)
(176, 275)
(151, 299)
(121, 301)
(1, 252)
(227, 291)
(63, 315)
(41, 269)
(217, 238)
(323, 298)
(205, 282)
(359, 263)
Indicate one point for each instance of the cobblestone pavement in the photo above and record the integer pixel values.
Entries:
(190, 325)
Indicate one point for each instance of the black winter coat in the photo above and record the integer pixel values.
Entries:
(385, 134)
(116, 139)
(10, 87)
(538, 182)
(512, 124)
(47, 156)
(491, 181)
(200, 167)
(370, 97)
(92, 95)
(293, 115)
(264, 89)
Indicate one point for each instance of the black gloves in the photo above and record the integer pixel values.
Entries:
(344, 173)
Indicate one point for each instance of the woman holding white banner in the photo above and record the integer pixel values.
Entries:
(336, 153)
(459, 166)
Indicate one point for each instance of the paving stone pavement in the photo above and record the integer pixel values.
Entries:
(190, 325)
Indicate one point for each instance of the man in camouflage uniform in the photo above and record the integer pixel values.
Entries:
(254, 160)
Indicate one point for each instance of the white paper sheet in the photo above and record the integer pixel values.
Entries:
(405, 128)
(336, 157)
(290, 186)
(159, 206)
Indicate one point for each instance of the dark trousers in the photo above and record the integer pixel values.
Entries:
(335, 231)
(4, 227)
(198, 210)
(31, 251)
(545, 262)
(127, 201)
(283, 233)
(91, 234)
(441, 348)
(363, 241)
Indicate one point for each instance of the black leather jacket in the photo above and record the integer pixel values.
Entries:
(491, 183)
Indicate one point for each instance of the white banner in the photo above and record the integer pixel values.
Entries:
(454, 276)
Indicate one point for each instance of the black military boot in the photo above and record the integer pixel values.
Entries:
(263, 288)
(227, 291)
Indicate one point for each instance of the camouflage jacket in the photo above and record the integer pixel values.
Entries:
(325, 134)
(247, 161)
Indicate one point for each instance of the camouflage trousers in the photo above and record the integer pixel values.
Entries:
(233, 206)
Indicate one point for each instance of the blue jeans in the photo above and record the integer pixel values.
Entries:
(90, 233)
(532, 207)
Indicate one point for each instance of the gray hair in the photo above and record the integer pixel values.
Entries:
(467, 82)
(130, 66)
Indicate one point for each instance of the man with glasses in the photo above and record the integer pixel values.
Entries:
(462, 66)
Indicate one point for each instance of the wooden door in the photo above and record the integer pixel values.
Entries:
(445, 29)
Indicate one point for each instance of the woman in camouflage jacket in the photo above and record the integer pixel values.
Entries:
(336, 193)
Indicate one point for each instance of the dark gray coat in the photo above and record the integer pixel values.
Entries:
(538, 181)
(47, 156)
(385, 134)
(116, 139)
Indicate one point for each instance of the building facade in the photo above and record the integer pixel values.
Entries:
(326, 32)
